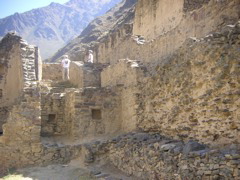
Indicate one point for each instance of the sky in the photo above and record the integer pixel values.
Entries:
(9, 7)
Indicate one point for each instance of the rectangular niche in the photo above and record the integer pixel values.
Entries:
(1, 93)
(1, 69)
(51, 118)
(96, 114)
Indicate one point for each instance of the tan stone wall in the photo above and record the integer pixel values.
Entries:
(52, 72)
(197, 23)
(38, 64)
(53, 121)
(126, 72)
(11, 82)
(20, 144)
(129, 102)
(153, 157)
(76, 74)
(195, 92)
(97, 113)
(116, 46)
(17, 67)
(157, 17)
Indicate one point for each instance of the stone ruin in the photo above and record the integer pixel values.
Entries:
(171, 114)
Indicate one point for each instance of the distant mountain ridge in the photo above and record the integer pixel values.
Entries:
(51, 27)
(97, 30)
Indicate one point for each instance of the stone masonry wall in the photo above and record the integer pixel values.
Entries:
(18, 66)
(52, 72)
(157, 17)
(194, 93)
(52, 114)
(190, 5)
(197, 23)
(76, 74)
(126, 72)
(129, 108)
(11, 83)
(151, 156)
(20, 144)
(96, 114)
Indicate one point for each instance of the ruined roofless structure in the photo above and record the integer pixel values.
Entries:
(166, 108)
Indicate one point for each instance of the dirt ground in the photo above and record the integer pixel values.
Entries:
(71, 171)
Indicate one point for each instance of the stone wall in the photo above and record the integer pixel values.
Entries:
(126, 72)
(151, 156)
(76, 73)
(11, 83)
(115, 46)
(17, 67)
(20, 143)
(129, 107)
(197, 23)
(52, 114)
(52, 71)
(194, 93)
(190, 5)
(157, 17)
(97, 113)
(38, 64)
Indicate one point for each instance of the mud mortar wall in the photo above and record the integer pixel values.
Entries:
(195, 23)
(17, 67)
(97, 113)
(125, 72)
(52, 114)
(20, 144)
(152, 157)
(52, 72)
(157, 17)
(76, 74)
(195, 92)
(11, 82)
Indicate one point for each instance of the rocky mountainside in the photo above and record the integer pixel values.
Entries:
(53, 26)
(98, 29)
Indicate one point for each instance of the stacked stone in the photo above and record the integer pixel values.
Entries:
(53, 104)
(52, 71)
(28, 62)
(86, 100)
(152, 156)
(195, 92)
(190, 5)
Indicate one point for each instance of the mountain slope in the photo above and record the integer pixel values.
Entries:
(51, 27)
(98, 29)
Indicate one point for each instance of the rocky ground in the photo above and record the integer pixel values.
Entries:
(72, 171)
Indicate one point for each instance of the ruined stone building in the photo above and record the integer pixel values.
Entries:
(160, 103)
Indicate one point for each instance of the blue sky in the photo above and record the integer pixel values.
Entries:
(9, 7)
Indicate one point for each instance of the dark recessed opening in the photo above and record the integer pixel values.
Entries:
(96, 114)
(1, 69)
(51, 117)
(1, 133)
(1, 93)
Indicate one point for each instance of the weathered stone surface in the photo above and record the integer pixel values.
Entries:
(138, 155)
(194, 94)
(192, 146)
(161, 42)
(191, 95)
